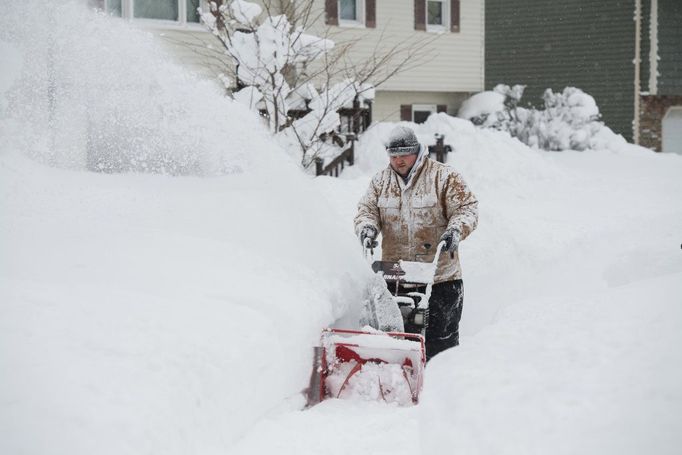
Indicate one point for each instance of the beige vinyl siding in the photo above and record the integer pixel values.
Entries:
(193, 47)
(456, 59)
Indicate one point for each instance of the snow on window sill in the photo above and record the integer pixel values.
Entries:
(436, 28)
(160, 24)
(351, 24)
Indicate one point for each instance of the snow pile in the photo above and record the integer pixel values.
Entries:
(144, 313)
(569, 120)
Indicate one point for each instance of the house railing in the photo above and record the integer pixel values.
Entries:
(334, 168)
(440, 148)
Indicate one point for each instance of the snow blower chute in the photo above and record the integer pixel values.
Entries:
(371, 364)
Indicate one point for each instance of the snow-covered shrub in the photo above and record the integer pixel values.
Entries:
(570, 119)
(493, 109)
(272, 59)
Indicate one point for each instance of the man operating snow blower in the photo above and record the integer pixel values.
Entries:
(415, 203)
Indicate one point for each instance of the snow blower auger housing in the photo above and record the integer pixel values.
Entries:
(373, 365)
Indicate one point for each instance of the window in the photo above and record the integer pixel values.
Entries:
(351, 12)
(437, 15)
(348, 10)
(420, 112)
(179, 11)
(156, 9)
(114, 7)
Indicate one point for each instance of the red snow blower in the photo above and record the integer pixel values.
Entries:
(373, 365)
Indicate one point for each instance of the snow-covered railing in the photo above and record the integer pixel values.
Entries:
(334, 168)
(440, 149)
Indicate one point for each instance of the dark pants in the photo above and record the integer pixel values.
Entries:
(445, 312)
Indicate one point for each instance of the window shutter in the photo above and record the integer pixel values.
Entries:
(454, 16)
(420, 14)
(442, 108)
(331, 9)
(370, 13)
(406, 112)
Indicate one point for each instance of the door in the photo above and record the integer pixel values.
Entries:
(672, 130)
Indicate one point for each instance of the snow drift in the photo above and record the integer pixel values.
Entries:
(144, 313)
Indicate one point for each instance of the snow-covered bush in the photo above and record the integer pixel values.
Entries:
(570, 119)
(272, 61)
(297, 79)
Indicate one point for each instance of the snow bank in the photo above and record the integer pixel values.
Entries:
(144, 313)
(578, 372)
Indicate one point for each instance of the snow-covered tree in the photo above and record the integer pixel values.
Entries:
(279, 68)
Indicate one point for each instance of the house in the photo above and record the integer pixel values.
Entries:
(450, 70)
(450, 73)
(626, 53)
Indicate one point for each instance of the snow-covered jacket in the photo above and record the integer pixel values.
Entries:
(413, 216)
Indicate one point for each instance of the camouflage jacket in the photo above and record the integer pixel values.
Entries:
(413, 216)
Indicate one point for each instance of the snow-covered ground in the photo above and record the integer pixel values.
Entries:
(144, 313)
(572, 315)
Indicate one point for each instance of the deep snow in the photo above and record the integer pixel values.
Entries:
(144, 313)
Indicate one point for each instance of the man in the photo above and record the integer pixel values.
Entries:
(415, 203)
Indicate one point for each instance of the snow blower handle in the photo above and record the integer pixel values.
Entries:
(439, 249)
(429, 286)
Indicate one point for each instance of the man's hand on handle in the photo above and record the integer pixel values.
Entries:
(368, 236)
(451, 237)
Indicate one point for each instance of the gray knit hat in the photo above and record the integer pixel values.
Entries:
(402, 141)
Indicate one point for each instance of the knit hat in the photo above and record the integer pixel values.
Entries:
(402, 141)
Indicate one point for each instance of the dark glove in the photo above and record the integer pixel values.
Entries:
(451, 238)
(369, 233)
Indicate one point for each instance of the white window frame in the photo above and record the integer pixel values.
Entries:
(359, 20)
(424, 108)
(128, 12)
(436, 28)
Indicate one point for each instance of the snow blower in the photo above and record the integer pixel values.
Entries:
(376, 365)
